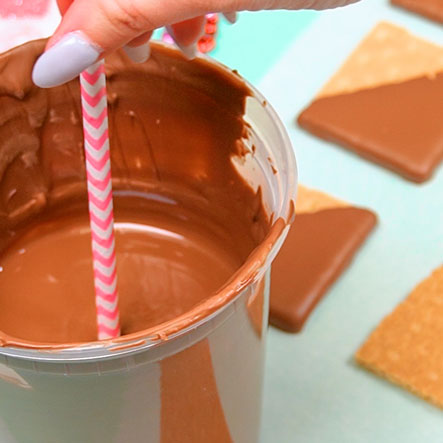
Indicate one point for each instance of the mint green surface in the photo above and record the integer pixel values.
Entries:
(258, 39)
(314, 391)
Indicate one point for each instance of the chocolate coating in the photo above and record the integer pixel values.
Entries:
(319, 246)
(203, 420)
(432, 9)
(397, 125)
(166, 265)
(186, 220)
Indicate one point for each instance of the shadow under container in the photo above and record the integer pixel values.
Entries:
(201, 384)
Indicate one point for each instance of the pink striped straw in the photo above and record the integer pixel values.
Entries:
(98, 171)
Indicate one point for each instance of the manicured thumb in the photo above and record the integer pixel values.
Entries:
(92, 28)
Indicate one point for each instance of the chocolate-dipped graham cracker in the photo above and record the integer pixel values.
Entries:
(386, 103)
(407, 346)
(323, 239)
(432, 9)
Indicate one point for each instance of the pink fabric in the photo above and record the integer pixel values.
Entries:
(23, 8)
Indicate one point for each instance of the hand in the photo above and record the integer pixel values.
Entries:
(90, 29)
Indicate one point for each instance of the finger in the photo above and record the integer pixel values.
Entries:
(141, 39)
(300, 4)
(189, 31)
(112, 23)
(138, 49)
(63, 5)
(92, 28)
(231, 17)
(186, 35)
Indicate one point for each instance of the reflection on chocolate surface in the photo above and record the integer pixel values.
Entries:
(397, 125)
(168, 261)
(318, 248)
(174, 128)
(202, 420)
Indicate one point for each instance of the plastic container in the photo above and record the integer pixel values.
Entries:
(203, 384)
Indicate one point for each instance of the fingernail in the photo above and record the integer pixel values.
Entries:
(65, 60)
(138, 54)
(231, 17)
(189, 51)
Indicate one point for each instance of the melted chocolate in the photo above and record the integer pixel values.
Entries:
(319, 246)
(432, 9)
(167, 262)
(398, 125)
(186, 220)
(203, 420)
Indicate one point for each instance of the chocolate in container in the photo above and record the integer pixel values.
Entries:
(196, 152)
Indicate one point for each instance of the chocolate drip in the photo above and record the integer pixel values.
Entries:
(186, 220)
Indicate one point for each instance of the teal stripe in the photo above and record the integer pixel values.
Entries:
(258, 39)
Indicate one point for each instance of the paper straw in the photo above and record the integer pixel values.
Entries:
(98, 170)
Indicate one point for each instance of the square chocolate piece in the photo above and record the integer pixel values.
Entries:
(385, 103)
(432, 9)
(325, 236)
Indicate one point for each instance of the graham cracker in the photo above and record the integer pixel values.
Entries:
(389, 54)
(407, 346)
(323, 240)
(311, 200)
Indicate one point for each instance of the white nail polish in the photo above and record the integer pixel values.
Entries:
(231, 17)
(189, 51)
(138, 54)
(65, 60)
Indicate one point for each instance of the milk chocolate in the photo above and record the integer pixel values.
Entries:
(396, 125)
(432, 9)
(191, 233)
(202, 420)
(319, 246)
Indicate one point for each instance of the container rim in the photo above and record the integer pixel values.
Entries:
(108, 349)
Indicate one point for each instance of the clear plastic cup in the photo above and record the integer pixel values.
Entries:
(202, 384)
